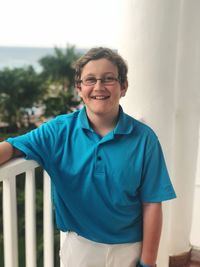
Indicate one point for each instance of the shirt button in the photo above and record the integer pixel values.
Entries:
(98, 158)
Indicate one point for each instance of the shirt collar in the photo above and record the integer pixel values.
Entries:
(83, 120)
(124, 125)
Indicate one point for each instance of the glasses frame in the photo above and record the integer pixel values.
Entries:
(102, 81)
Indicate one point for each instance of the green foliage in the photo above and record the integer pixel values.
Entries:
(23, 88)
(58, 70)
(1, 228)
(61, 104)
(59, 67)
(19, 89)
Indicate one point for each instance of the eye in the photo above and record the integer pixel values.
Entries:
(89, 80)
(109, 79)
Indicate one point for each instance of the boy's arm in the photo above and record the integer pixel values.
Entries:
(152, 225)
(7, 152)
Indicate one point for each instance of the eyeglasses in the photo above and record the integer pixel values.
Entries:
(107, 80)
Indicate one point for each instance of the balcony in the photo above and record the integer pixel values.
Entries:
(9, 173)
(9, 178)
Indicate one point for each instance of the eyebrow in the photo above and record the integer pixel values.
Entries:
(92, 74)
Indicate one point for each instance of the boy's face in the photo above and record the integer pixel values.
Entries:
(101, 99)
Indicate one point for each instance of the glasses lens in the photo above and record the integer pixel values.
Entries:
(89, 80)
(109, 80)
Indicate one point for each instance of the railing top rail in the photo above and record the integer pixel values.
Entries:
(15, 167)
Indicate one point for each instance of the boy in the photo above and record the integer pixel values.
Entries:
(107, 169)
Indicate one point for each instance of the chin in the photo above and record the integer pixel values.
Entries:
(102, 111)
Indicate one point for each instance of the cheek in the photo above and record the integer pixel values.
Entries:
(83, 95)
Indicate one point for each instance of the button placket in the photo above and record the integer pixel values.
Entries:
(99, 166)
(99, 158)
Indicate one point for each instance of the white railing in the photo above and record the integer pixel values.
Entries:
(8, 173)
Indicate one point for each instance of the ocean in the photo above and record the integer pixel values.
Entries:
(16, 57)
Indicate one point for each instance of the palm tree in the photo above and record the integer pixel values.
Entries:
(59, 67)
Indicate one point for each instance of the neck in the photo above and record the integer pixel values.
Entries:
(103, 124)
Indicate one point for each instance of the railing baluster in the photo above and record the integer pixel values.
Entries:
(30, 221)
(8, 173)
(62, 239)
(48, 224)
(10, 222)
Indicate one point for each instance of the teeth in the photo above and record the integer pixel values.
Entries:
(99, 97)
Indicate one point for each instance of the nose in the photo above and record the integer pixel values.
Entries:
(100, 79)
(99, 84)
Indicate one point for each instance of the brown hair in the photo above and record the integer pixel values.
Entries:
(98, 53)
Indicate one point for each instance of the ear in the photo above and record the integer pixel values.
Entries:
(78, 89)
(124, 88)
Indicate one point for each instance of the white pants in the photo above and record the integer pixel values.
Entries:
(78, 251)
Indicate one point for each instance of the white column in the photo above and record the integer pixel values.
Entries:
(148, 42)
(187, 98)
(161, 42)
(195, 230)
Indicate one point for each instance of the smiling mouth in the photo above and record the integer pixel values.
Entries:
(100, 97)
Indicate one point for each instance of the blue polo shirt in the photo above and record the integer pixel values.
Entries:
(99, 183)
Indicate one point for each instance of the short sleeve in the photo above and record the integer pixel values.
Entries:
(37, 144)
(156, 185)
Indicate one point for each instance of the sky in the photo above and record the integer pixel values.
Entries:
(50, 23)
